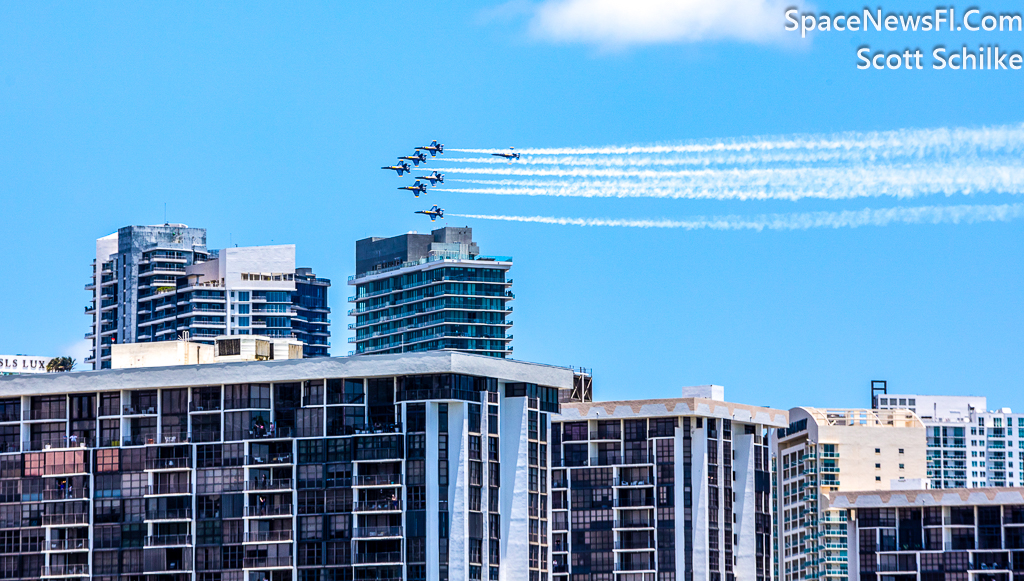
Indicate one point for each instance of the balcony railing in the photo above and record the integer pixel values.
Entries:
(634, 502)
(204, 406)
(376, 532)
(65, 570)
(56, 443)
(635, 545)
(269, 484)
(285, 458)
(168, 463)
(170, 488)
(168, 540)
(255, 403)
(378, 480)
(70, 518)
(270, 510)
(69, 545)
(370, 558)
(50, 414)
(130, 410)
(376, 505)
(169, 514)
(264, 562)
(268, 536)
(68, 493)
(641, 523)
(10, 417)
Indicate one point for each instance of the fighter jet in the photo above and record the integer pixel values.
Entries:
(417, 188)
(401, 168)
(434, 212)
(434, 148)
(416, 158)
(509, 156)
(433, 178)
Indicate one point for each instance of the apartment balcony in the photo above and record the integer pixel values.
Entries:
(168, 541)
(633, 524)
(67, 545)
(204, 406)
(61, 443)
(270, 484)
(634, 483)
(270, 459)
(169, 489)
(377, 558)
(129, 410)
(635, 546)
(70, 518)
(377, 506)
(634, 502)
(66, 570)
(168, 463)
(269, 510)
(371, 480)
(49, 414)
(267, 562)
(376, 532)
(68, 493)
(268, 536)
(170, 514)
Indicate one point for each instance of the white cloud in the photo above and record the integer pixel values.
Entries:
(78, 350)
(620, 23)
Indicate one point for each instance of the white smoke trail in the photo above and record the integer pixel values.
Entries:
(796, 221)
(908, 141)
(763, 184)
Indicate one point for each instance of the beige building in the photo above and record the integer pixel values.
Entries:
(830, 450)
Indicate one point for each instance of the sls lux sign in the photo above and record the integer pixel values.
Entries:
(23, 364)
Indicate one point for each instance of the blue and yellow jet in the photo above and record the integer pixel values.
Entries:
(434, 213)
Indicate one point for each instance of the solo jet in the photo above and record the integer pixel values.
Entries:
(401, 168)
(509, 156)
(416, 158)
(433, 178)
(434, 148)
(434, 213)
(417, 188)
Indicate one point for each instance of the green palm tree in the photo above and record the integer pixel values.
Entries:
(60, 364)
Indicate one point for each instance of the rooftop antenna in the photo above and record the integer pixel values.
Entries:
(165, 214)
(877, 386)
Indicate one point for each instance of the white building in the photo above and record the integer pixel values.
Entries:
(969, 446)
(157, 283)
(829, 450)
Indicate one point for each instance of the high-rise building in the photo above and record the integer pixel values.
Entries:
(834, 450)
(421, 292)
(969, 446)
(417, 467)
(663, 490)
(155, 283)
(925, 535)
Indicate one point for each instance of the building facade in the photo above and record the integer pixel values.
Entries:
(155, 283)
(420, 467)
(942, 535)
(662, 490)
(969, 446)
(831, 450)
(422, 292)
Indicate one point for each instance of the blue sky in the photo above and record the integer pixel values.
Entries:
(267, 123)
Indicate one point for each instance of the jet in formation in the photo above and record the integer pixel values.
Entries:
(434, 212)
(415, 158)
(417, 188)
(401, 168)
(434, 148)
(434, 178)
(510, 155)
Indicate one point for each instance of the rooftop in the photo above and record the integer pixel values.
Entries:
(860, 417)
(289, 370)
(931, 497)
(683, 406)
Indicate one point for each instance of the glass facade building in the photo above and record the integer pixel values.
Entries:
(429, 466)
(424, 292)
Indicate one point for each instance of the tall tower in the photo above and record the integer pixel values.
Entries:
(423, 292)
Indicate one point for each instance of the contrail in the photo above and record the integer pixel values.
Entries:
(796, 221)
(909, 141)
(785, 184)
